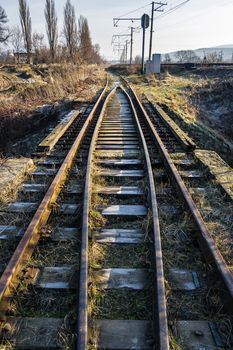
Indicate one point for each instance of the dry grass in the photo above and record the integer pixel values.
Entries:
(180, 250)
(199, 103)
(194, 96)
(67, 80)
(15, 179)
(173, 91)
(56, 254)
(58, 81)
(31, 89)
(110, 256)
(217, 214)
(174, 344)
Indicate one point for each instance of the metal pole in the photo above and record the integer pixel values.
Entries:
(131, 47)
(143, 48)
(151, 29)
(126, 51)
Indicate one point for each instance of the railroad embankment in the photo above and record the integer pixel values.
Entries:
(24, 89)
(199, 101)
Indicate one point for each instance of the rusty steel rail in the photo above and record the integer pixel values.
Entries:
(185, 141)
(82, 332)
(207, 243)
(50, 141)
(160, 315)
(31, 236)
(160, 312)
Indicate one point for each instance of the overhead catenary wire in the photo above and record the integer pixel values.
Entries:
(140, 8)
(175, 5)
(173, 9)
(132, 29)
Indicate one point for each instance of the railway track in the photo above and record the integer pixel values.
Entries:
(113, 251)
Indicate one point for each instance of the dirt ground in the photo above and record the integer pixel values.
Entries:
(24, 88)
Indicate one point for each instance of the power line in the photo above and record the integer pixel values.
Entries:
(173, 9)
(131, 35)
(173, 3)
(183, 20)
(160, 5)
(128, 13)
(117, 19)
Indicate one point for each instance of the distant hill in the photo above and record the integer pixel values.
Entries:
(227, 51)
(225, 46)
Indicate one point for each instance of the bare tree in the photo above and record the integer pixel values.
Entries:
(70, 29)
(87, 51)
(51, 24)
(26, 24)
(214, 57)
(167, 58)
(85, 43)
(192, 57)
(61, 53)
(181, 56)
(137, 59)
(96, 56)
(37, 41)
(16, 40)
(4, 30)
(38, 45)
(187, 56)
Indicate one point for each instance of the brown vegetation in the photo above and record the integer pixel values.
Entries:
(203, 96)
(27, 88)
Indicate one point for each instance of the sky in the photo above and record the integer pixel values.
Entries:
(197, 24)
